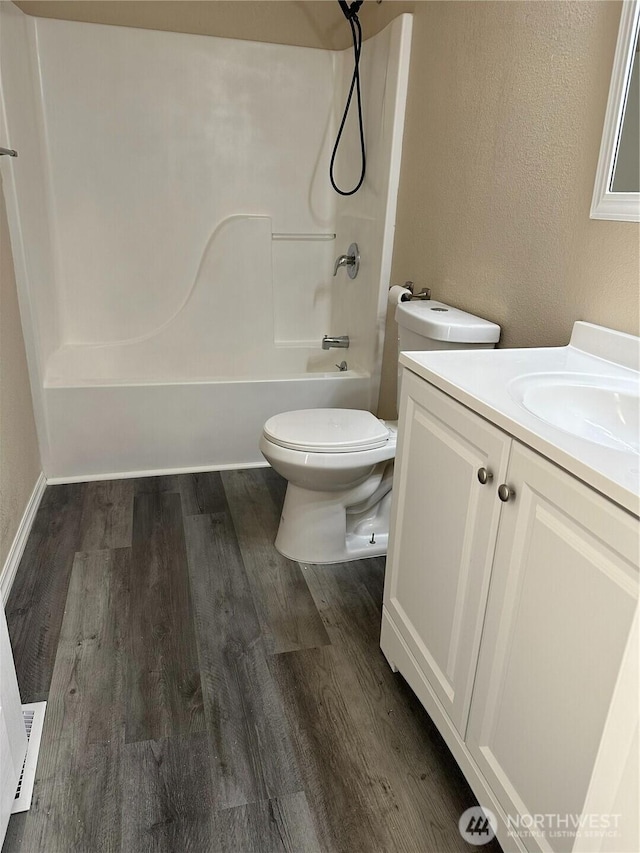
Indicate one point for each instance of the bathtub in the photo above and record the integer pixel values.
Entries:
(142, 424)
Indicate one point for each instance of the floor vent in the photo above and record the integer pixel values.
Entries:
(33, 722)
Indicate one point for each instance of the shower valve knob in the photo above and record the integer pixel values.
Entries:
(351, 261)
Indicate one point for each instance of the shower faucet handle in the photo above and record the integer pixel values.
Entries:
(351, 261)
(343, 261)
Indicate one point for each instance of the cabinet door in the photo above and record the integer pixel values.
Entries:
(562, 601)
(443, 530)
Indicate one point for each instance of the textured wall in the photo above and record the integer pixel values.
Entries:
(310, 23)
(504, 120)
(19, 456)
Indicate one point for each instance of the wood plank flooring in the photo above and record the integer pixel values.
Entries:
(207, 694)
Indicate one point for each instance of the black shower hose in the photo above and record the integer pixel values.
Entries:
(356, 32)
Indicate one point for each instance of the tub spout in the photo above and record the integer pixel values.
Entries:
(340, 341)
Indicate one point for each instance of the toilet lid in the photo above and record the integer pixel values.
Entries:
(326, 430)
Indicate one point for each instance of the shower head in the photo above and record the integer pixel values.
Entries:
(350, 11)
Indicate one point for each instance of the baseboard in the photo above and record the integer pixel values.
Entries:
(20, 539)
(158, 472)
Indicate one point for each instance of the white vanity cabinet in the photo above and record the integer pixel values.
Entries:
(511, 621)
(443, 536)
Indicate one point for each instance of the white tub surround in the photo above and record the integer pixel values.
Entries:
(173, 212)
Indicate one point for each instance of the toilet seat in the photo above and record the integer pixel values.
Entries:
(327, 430)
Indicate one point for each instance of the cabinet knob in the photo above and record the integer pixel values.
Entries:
(505, 493)
(484, 475)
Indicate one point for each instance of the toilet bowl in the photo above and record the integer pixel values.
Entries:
(338, 465)
(339, 462)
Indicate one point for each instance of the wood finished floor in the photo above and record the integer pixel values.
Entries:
(207, 694)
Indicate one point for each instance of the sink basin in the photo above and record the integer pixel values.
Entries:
(601, 410)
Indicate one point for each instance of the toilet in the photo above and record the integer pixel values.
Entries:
(339, 462)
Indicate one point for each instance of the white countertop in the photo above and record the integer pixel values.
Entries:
(480, 378)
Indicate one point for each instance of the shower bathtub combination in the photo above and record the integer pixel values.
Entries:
(174, 235)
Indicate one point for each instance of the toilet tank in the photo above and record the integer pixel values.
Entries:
(430, 325)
